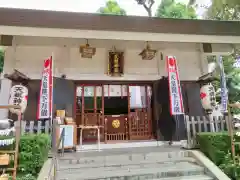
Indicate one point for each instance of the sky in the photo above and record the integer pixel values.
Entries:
(91, 6)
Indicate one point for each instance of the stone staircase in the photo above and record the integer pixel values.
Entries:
(131, 164)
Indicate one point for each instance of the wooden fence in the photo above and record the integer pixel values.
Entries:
(193, 125)
(196, 124)
(36, 127)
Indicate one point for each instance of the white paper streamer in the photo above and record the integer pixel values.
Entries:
(6, 142)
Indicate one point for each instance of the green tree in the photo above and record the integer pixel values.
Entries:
(172, 9)
(112, 8)
(1, 60)
(224, 10)
(147, 4)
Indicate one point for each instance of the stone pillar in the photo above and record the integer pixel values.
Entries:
(6, 84)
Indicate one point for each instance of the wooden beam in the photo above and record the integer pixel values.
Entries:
(6, 40)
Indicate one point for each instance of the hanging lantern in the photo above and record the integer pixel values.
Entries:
(18, 96)
(148, 53)
(87, 51)
(208, 97)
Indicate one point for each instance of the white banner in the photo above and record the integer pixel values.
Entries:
(176, 103)
(45, 99)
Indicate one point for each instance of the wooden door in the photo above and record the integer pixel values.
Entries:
(140, 112)
(90, 109)
(117, 127)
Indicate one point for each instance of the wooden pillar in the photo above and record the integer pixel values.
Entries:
(129, 112)
(95, 99)
(82, 113)
(103, 117)
(149, 110)
(96, 117)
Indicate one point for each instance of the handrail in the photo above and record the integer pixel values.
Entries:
(61, 139)
(53, 165)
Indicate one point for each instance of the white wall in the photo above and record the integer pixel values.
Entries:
(117, 35)
(29, 54)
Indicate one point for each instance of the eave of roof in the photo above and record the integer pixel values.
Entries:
(87, 21)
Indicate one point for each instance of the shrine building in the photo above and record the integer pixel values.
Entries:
(111, 70)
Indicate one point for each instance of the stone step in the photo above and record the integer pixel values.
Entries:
(120, 162)
(139, 172)
(128, 155)
(196, 177)
(98, 158)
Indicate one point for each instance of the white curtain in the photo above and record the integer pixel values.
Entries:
(137, 97)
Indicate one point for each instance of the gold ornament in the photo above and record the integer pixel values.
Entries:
(116, 123)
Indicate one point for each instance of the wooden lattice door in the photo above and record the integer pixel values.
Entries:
(140, 113)
(90, 109)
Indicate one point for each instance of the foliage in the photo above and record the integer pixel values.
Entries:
(1, 60)
(172, 9)
(230, 168)
(25, 177)
(217, 146)
(112, 8)
(33, 153)
(221, 9)
(214, 145)
(224, 10)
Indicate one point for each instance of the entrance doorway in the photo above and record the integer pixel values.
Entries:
(140, 112)
(123, 111)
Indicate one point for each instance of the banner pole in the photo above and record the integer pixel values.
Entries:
(53, 130)
(52, 89)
